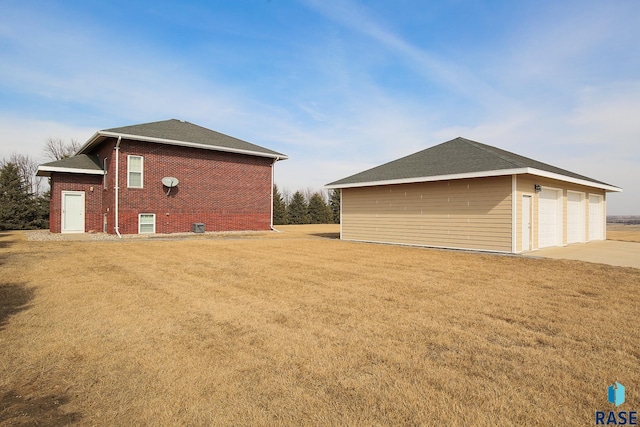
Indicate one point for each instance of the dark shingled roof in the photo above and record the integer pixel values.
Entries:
(181, 131)
(80, 161)
(169, 132)
(458, 156)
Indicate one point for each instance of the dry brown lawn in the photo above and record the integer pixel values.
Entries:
(299, 328)
(623, 232)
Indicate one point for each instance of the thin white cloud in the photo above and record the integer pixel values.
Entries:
(433, 67)
(28, 137)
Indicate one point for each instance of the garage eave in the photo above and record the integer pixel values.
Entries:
(483, 174)
(587, 183)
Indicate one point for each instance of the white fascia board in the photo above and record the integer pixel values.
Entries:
(187, 144)
(89, 143)
(485, 174)
(565, 178)
(49, 169)
(432, 178)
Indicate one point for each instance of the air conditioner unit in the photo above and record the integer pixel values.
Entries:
(198, 227)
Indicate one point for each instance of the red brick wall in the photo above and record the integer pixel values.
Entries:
(225, 191)
(106, 151)
(93, 199)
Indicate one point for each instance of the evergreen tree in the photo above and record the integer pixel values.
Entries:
(43, 202)
(18, 207)
(319, 211)
(297, 209)
(279, 207)
(334, 203)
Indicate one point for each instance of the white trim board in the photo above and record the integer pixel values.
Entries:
(483, 174)
(69, 170)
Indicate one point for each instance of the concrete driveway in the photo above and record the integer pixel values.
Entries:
(612, 252)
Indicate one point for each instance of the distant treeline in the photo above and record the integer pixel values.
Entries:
(306, 207)
(627, 219)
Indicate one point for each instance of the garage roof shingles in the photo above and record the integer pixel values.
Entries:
(458, 156)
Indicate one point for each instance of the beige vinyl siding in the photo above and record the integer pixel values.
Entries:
(525, 185)
(466, 213)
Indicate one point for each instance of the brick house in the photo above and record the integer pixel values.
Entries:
(162, 177)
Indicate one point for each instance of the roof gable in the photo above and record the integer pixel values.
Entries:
(459, 158)
(177, 132)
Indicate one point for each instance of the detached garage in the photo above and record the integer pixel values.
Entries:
(466, 195)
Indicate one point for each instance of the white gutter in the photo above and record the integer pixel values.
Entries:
(117, 188)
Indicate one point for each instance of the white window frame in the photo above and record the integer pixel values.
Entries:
(129, 171)
(105, 167)
(140, 223)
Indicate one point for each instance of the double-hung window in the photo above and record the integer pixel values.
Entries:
(146, 223)
(134, 171)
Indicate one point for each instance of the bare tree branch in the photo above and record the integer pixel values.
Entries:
(58, 149)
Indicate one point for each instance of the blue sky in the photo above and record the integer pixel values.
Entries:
(338, 85)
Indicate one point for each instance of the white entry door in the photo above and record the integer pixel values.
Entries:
(549, 218)
(596, 217)
(526, 223)
(73, 212)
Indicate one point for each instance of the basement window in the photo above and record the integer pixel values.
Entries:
(146, 223)
(134, 171)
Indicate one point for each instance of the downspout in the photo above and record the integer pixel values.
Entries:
(117, 186)
(272, 177)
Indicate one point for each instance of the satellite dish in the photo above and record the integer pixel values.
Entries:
(169, 181)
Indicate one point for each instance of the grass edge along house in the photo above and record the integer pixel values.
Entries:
(162, 177)
(462, 194)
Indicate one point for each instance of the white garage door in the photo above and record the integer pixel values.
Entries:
(575, 218)
(549, 218)
(596, 217)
